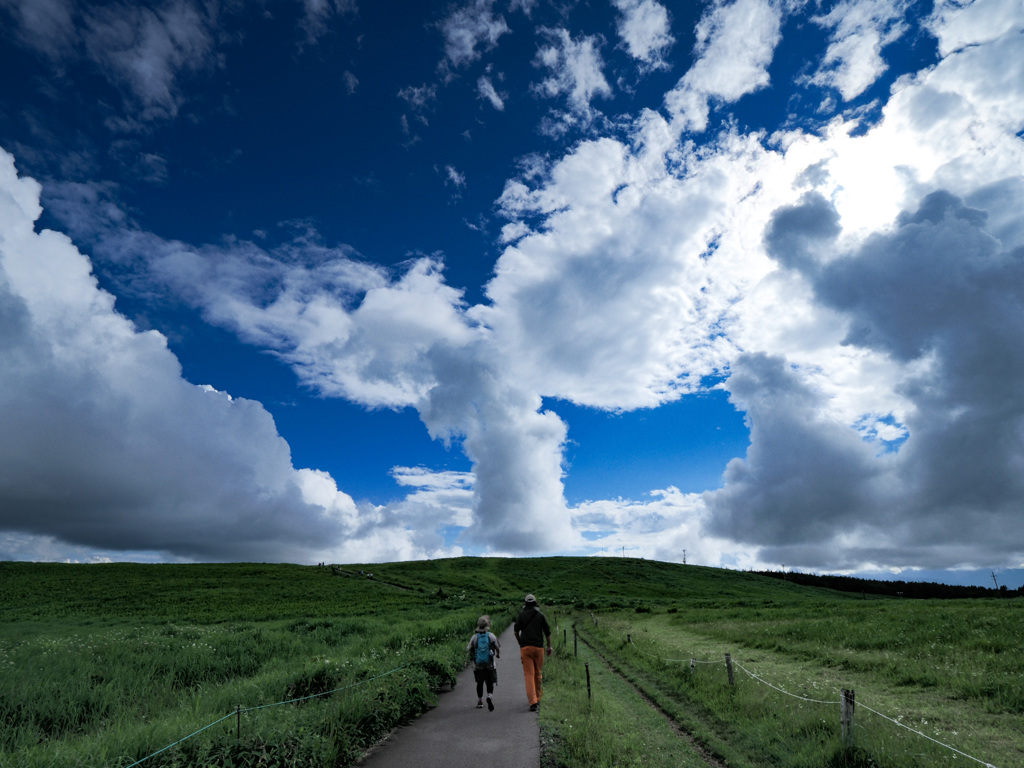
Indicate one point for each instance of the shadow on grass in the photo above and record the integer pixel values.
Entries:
(854, 757)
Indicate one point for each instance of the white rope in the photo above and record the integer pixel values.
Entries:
(240, 711)
(678, 660)
(925, 735)
(780, 690)
(869, 709)
(815, 701)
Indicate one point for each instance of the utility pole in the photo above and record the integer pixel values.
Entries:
(994, 580)
(684, 557)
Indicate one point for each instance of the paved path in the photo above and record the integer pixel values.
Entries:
(455, 734)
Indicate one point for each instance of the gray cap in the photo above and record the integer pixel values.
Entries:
(530, 599)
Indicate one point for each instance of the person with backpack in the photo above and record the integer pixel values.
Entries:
(532, 631)
(483, 649)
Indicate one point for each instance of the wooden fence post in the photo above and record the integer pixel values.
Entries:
(629, 639)
(693, 666)
(587, 665)
(575, 648)
(846, 705)
(728, 667)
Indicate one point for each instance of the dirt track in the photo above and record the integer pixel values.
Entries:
(455, 734)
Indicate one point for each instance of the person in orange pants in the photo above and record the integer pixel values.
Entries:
(534, 636)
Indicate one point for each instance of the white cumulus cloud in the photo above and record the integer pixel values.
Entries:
(644, 26)
(105, 447)
(103, 442)
(576, 72)
(861, 29)
(470, 27)
(735, 44)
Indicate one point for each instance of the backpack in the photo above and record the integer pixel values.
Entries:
(483, 648)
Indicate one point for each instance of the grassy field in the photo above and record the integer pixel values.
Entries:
(278, 665)
(102, 665)
(782, 708)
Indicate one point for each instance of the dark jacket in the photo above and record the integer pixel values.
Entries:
(532, 627)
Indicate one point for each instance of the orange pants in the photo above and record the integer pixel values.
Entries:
(533, 663)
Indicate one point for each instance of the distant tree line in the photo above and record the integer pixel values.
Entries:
(909, 589)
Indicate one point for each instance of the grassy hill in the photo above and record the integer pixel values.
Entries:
(104, 665)
(213, 593)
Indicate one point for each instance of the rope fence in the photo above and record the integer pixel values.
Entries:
(845, 702)
(780, 690)
(926, 736)
(239, 711)
(243, 710)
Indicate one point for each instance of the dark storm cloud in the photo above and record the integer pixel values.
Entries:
(804, 478)
(942, 295)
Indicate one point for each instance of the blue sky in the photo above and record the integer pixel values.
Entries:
(334, 280)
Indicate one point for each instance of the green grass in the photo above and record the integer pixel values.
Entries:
(608, 726)
(103, 665)
(918, 683)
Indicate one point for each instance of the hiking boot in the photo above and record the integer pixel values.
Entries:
(534, 707)
(490, 704)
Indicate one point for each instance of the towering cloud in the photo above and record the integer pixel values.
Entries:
(104, 445)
